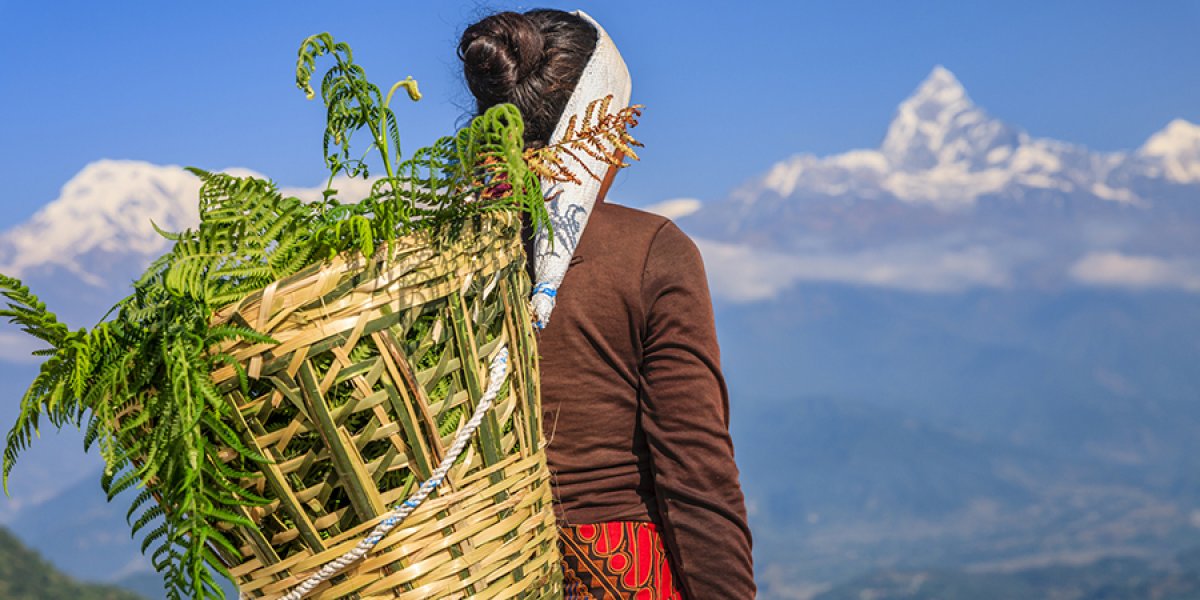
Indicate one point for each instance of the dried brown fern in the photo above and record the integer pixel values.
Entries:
(603, 135)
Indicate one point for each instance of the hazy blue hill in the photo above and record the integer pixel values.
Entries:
(26, 576)
(1107, 579)
(1075, 371)
(100, 543)
(838, 488)
(150, 585)
(879, 428)
(100, 546)
(839, 460)
(59, 509)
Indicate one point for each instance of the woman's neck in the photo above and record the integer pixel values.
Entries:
(608, 178)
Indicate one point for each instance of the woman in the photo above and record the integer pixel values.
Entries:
(634, 402)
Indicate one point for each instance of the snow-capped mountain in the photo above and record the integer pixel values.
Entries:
(954, 198)
(1173, 153)
(105, 211)
(109, 209)
(943, 151)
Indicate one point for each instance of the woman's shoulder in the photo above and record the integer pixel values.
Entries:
(669, 258)
(628, 216)
(639, 227)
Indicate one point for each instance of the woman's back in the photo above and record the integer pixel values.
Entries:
(590, 356)
(635, 405)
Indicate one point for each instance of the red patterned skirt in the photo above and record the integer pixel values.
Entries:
(616, 560)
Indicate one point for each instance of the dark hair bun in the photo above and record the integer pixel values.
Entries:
(532, 60)
(500, 51)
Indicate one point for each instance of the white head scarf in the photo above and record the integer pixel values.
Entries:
(568, 203)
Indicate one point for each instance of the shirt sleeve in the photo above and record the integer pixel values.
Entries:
(685, 416)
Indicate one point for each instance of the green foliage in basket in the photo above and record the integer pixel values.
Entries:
(140, 381)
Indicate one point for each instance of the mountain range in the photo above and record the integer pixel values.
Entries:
(955, 199)
(967, 348)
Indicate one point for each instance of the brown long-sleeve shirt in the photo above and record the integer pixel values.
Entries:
(635, 405)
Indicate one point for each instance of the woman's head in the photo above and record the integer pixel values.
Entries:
(532, 59)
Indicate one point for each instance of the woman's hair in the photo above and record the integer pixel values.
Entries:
(532, 59)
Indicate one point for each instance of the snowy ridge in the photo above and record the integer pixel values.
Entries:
(109, 210)
(1175, 151)
(108, 207)
(944, 151)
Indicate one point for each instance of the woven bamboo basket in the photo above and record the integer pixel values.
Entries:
(376, 367)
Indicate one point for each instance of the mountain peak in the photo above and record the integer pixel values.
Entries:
(940, 85)
(1180, 135)
(104, 217)
(939, 125)
(107, 207)
(1175, 150)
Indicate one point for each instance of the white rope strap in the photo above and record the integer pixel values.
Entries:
(497, 372)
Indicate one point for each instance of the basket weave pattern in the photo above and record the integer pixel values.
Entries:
(377, 366)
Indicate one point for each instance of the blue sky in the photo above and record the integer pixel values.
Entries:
(729, 87)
